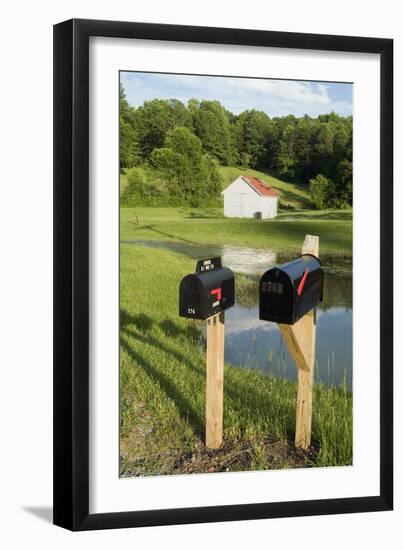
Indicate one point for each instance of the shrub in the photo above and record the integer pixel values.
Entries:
(142, 192)
(325, 194)
(318, 188)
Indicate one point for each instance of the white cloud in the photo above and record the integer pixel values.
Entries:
(275, 97)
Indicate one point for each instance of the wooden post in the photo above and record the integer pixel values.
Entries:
(301, 339)
(215, 381)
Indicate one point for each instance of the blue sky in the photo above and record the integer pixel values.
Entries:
(274, 97)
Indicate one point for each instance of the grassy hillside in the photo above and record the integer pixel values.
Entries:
(208, 226)
(162, 374)
(290, 194)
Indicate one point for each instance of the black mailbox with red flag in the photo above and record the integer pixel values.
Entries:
(208, 291)
(288, 291)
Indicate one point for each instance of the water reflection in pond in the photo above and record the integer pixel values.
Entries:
(241, 259)
(258, 344)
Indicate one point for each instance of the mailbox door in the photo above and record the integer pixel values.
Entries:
(190, 298)
(276, 297)
(206, 292)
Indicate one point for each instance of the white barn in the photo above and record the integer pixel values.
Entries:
(248, 197)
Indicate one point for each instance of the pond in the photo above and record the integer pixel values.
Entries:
(251, 343)
(259, 344)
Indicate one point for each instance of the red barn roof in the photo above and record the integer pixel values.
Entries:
(260, 186)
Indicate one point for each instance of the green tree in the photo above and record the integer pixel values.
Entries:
(189, 173)
(155, 118)
(344, 173)
(318, 190)
(211, 124)
(129, 151)
(298, 149)
(152, 122)
(285, 158)
(252, 131)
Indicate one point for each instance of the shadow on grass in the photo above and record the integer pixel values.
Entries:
(173, 330)
(165, 234)
(241, 397)
(341, 215)
(201, 213)
(287, 195)
(144, 323)
(185, 409)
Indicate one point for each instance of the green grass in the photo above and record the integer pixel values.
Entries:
(291, 194)
(162, 372)
(208, 226)
(316, 215)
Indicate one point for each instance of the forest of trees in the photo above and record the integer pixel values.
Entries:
(171, 152)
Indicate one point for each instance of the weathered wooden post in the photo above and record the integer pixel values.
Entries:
(206, 294)
(288, 295)
(301, 341)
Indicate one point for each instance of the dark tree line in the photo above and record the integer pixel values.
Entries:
(313, 152)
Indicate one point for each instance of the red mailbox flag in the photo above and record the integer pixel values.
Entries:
(302, 282)
(218, 292)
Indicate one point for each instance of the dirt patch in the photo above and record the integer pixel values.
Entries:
(233, 456)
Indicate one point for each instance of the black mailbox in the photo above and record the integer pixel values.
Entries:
(288, 291)
(208, 291)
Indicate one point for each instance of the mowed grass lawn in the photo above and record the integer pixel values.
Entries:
(208, 226)
(162, 358)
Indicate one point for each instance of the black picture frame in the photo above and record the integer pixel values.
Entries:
(71, 274)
